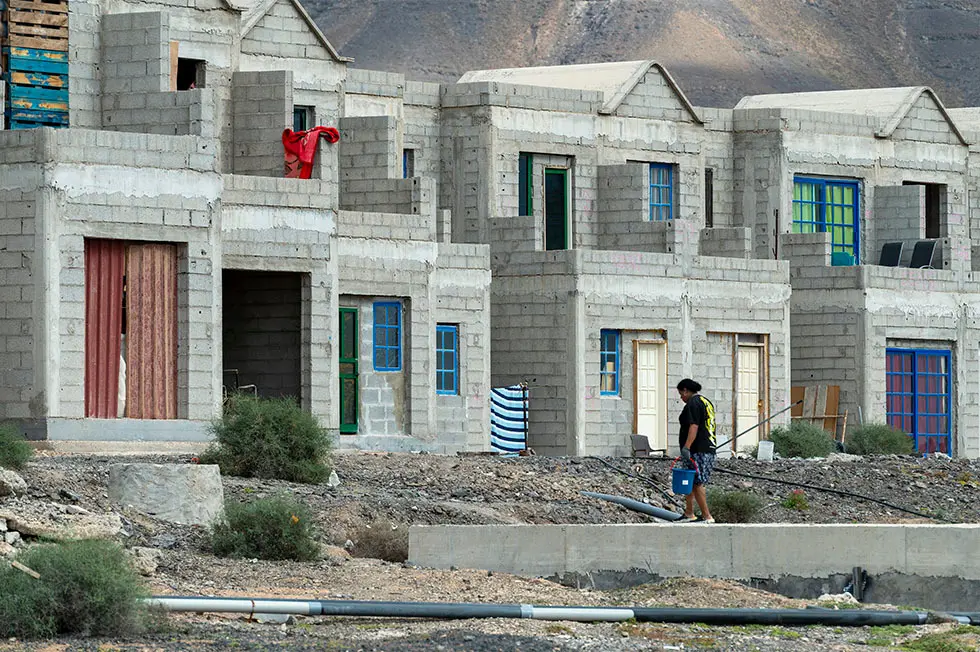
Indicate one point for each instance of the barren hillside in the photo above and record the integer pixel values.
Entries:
(719, 50)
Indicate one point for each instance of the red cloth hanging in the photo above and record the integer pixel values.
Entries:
(300, 148)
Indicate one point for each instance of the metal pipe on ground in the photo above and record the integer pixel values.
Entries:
(451, 610)
(636, 506)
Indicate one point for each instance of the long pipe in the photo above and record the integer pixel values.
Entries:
(635, 505)
(771, 417)
(455, 610)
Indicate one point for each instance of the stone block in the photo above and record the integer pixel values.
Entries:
(181, 493)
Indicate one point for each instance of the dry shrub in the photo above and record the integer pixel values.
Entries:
(381, 540)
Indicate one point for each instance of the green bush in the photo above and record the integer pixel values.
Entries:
(802, 439)
(273, 528)
(733, 506)
(796, 499)
(878, 439)
(269, 438)
(86, 588)
(14, 449)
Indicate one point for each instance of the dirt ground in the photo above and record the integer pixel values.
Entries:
(398, 490)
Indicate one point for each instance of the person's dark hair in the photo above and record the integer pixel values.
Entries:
(689, 385)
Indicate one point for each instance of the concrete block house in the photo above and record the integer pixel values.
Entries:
(582, 229)
(154, 257)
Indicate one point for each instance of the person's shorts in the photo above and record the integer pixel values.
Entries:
(705, 464)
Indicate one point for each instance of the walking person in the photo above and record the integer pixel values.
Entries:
(697, 443)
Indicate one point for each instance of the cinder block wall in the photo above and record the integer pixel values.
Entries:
(733, 242)
(169, 113)
(623, 209)
(23, 392)
(899, 216)
(136, 53)
(84, 64)
(263, 108)
(262, 330)
(369, 165)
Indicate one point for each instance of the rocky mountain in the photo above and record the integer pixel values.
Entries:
(717, 50)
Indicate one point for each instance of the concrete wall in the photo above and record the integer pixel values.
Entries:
(263, 107)
(930, 566)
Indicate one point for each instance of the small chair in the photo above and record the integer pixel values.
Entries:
(891, 254)
(640, 445)
(922, 254)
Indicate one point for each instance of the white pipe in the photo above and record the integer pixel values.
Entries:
(582, 614)
(238, 605)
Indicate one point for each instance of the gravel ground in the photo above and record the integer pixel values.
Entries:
(397, 490)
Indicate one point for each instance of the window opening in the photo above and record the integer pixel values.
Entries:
(525, 176)
(190, 74)
(709, 197)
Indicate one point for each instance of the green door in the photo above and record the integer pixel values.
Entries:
(348, 370)
(555, 208)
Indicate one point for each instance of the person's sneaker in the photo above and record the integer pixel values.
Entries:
(705, 520)
(687, 519)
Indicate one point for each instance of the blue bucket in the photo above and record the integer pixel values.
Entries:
(682, 481)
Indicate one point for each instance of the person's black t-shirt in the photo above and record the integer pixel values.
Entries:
(699, 410)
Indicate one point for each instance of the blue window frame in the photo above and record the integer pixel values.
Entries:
(661, 192)
(387, 336)
(829, 205)
(918, 396)
(447, 359)
(525, 175)
(609, 362)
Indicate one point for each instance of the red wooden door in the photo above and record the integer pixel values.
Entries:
(151, 333)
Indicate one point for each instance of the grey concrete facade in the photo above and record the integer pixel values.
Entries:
(419, 205)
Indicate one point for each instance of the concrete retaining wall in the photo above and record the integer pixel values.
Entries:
(760, 553)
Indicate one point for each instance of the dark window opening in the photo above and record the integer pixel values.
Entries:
(408, 163)
(709, 197)
(935, 197)
(525, 178)
(190, 74)
(556, 208)
(302, 118)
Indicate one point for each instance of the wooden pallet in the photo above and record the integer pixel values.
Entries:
(819, 407)
(31, 119)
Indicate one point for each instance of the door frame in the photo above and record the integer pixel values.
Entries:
(636, 385)
(348, 429)
(763, 386)
(563, 172)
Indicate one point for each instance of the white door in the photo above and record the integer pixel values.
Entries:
(748, 395)
(651, 393)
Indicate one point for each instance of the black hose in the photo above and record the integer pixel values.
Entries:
(652, 483)
(838, 492)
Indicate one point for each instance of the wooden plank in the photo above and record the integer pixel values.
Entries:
(174, 54)
(34, 66)
(24, 569)
(37, 79)
(19, 40)
(15, 92)
(37, 18)
(28, 29)
(795, 396)
(38, 105)
(809, 402)
(37, 54)
(59, 6)
(833, 405)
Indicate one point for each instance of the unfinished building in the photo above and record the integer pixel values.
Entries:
(583, 230)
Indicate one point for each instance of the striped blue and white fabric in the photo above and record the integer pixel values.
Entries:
(508, 410)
